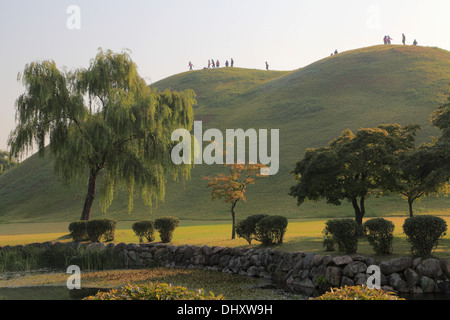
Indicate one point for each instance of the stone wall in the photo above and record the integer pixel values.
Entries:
(299, 271)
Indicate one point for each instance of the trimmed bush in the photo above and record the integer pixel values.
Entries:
(157, 291)
(99, 229)
(165, 227)
(144, 229)
(380, 235)
(271, 229)
(357, 293)
(78, 230)
(329, 242)
(345, 232)
(424, 233)
(246, 228)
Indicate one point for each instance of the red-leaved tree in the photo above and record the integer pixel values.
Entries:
(231, 187)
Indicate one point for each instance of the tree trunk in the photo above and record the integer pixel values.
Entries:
(233, 218)
(86, 214)
(410, 204)
(360, 210)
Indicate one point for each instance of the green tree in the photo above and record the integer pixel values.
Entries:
(418, 176)
(351, 167)
(425, 170)
(6, 162)
(103, 121)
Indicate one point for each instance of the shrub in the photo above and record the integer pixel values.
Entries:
(144, 229)
(101, 228)
(246, 228)
(165, 227)
(271, 229)
(357, 293)
(78, 230)
(345, 232)
(380, 234)
(329, 243)
(157, 291)
(424, 233)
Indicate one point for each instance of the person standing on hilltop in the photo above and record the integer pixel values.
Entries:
(226, 63)
(267, 66)
(388, 39)
(217, 63)
(190, 65)
(403, 39)
(209, 64)
(415, 42)
(213, 64)
(232, 62)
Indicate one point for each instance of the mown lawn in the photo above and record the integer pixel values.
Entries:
(302, 235)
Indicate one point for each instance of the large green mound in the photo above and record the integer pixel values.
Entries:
(310, 106)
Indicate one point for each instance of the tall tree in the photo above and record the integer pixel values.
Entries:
(103, 121)
(351, 167)
(232, 187)
(416, 176)
(426, 170)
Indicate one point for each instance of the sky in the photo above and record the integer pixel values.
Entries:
(164, 35)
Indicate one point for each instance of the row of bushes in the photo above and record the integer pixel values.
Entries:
(423, 233)
(264, 228)
(93, 230)
(165, 226)
(103, 229)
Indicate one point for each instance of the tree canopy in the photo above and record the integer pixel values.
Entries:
(6, 162)
(352, 166)
(232, 187)
(425, 170)
(103, 121)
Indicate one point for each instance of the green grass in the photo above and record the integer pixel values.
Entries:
(310, 106)
(301, 235)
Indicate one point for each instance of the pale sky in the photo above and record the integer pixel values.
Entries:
(165, 35)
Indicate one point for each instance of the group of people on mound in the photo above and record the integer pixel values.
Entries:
(212, 64)
(216, 64)
(388, 39)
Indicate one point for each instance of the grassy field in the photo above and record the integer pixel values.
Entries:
(310, 106)
(302, 235)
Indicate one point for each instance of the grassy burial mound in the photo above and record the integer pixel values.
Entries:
(309, 106)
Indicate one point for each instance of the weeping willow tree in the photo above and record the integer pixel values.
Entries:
(103, 124)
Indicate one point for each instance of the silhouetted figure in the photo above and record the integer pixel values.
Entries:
(267, 66)
(415, 42)
(336, 52)
(403, 39)
(217, 63)
(190, 66)
(209, 64)
(226, 63)
(232, 62)
(213, 64)
(388, 40)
